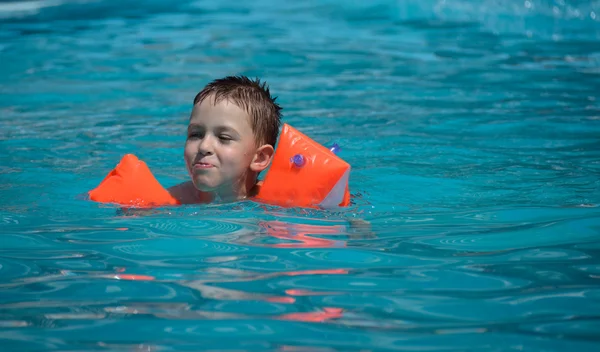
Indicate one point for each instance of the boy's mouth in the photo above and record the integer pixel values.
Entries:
(202, 166)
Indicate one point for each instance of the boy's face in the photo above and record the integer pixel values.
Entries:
(220, 147)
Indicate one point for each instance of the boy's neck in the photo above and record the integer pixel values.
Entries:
(242, 191)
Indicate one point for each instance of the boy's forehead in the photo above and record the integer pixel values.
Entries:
(223, 107)
(224, 111)
(213, 100)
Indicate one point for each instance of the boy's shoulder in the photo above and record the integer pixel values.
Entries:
(254, 191)
(186, 193)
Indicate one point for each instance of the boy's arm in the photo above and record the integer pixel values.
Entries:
(176, 191)
(360, 229)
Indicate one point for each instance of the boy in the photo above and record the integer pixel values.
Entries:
(231, 138)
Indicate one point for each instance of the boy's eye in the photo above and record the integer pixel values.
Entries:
(195, 135)
(225, 137)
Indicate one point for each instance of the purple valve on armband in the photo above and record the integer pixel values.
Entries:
(298, 160)
(335, 148)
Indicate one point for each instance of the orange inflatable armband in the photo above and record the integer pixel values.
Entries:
(132, 183)
(305, 174)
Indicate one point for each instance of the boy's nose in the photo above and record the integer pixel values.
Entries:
(205, 147)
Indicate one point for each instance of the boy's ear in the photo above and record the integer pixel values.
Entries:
(262, 158)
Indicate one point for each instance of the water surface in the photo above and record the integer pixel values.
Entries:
(472, 131)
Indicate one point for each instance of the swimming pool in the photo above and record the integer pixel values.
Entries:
(473, 133)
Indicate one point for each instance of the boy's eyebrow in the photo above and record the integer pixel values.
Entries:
(221, 128)
(193, 127)
(226, 129)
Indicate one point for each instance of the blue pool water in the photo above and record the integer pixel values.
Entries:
(473, 130)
